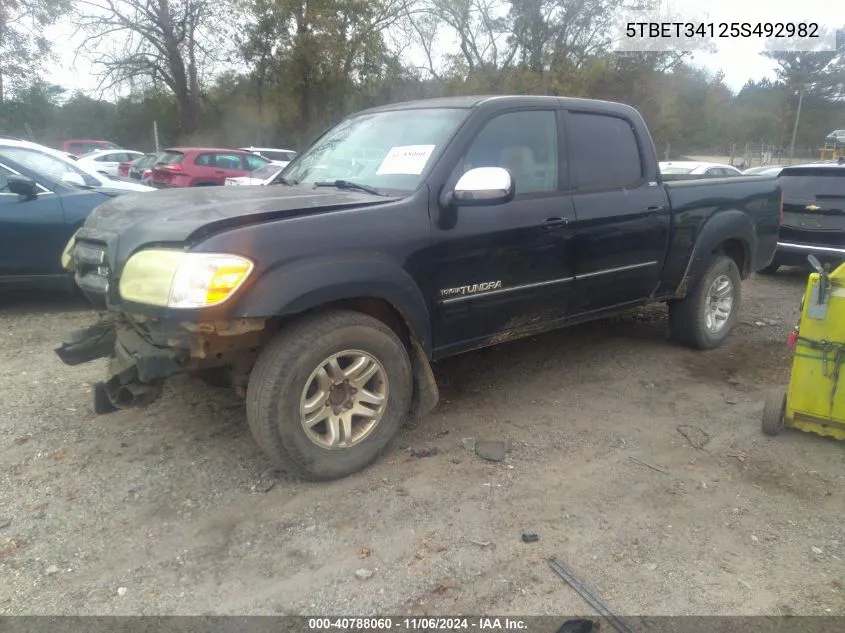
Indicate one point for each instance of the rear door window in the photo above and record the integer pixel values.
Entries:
(593, 140)
(228, 161)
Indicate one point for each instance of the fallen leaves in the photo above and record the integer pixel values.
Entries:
(741, 456)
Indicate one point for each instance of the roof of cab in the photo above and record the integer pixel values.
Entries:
(475, 101)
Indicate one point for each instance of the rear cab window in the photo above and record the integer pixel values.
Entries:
(170, 158)
(594, 137)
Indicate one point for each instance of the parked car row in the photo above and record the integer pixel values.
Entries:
(205, 166)
(45, 197)
(177, 166)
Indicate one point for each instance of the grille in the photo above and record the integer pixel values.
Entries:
(90, 261)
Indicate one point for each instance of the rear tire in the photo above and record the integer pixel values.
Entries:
(297, 363)
(774, 412)
(705, 317)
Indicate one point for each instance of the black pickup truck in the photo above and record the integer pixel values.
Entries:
(405, 234)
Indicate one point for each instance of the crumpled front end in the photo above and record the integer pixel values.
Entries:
(137, 368)
(144, 350)
(143, 353)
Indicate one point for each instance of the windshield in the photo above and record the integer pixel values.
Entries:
(385, 150)
(263, 173)
(676, 170)
(52, 167)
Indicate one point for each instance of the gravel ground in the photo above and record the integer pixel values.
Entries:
(173, 510)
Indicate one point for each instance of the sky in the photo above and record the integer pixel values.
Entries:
(738, 58)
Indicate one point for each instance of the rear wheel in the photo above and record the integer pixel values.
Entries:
(329, 393)
(774, 412)
(705, 317)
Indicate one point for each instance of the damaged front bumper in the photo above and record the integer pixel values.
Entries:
(137, 368)
(142, 355)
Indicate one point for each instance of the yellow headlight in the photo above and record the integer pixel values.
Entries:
(177, 279)
(66, 252)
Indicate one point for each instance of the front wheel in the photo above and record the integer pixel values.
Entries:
(329, 393)
(705, 317)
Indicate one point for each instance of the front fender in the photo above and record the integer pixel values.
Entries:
(730, 224)
(295, 287)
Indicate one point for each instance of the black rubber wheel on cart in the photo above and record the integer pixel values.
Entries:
(774, 412)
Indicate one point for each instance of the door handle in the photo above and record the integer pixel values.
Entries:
(654, 210)
(555, 223)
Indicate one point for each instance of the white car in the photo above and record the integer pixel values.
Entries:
(768, 170)
(677, 169)
(56, 164)
(107, 161)
(260, 176)
(276, 156)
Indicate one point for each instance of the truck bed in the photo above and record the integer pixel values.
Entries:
(698, 202)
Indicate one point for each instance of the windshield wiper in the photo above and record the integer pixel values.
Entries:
(348, 184)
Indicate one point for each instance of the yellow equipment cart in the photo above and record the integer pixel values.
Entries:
(815, 399)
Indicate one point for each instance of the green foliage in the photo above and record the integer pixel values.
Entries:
(305, 64)
(23, 47)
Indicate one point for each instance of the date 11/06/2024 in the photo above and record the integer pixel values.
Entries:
(416, 624)
(809, 30)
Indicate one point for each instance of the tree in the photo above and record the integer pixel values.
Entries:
(23, 46)
(157, 42)
(313, 53)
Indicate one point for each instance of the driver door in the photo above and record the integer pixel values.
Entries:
(32, 232)
(506, 268)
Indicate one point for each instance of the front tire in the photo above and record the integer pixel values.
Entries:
(705, 317)
(328, 394)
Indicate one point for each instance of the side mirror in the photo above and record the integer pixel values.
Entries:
(25, 187)
(483, 186)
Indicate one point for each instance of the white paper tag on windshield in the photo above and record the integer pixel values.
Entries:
(407, 160)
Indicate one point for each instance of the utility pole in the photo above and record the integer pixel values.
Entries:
(795, 127)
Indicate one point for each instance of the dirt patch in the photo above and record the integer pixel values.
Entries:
(173, 510)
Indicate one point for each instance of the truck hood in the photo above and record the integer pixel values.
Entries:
(185, 216)
(176, 215)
